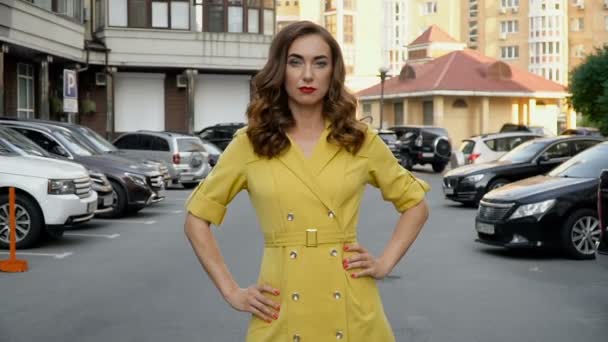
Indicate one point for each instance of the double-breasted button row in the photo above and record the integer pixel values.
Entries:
(339, 336)
(292, 216)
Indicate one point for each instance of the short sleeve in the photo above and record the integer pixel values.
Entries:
(396, 184)
(210, 199)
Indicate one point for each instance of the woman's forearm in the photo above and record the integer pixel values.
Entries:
(207, 250)
(407, 229)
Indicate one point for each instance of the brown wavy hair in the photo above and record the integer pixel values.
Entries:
(268, 113)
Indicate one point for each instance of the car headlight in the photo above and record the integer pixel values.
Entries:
(418, 141)
(537, 209)
(473, 179)
(61, 187)
(137, 179)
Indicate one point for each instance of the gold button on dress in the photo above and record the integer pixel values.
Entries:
(308, 208)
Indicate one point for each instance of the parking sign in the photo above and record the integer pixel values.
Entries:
(70, 91)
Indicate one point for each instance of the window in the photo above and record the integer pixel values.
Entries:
(253, 16)
(174, 14)
(99, 14)
(577, 24)
(44, 141)
(330, 24)
(349, 5)
(235, 16)
(509, 52)
(367, 108)
(128, 142)
(579, 51)
(68, 8)
(159, 144)
(429, 7)
(25, 90)
(189, 145)
(606, 23)
(348, 29)
(509, 3)
(582, 145)
(560, 150)
(330, 5)
(509, 26)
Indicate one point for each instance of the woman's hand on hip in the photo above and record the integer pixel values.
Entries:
(365, 263)
(252, 300)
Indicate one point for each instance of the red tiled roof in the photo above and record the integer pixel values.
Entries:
(434, 34)
(465, 70)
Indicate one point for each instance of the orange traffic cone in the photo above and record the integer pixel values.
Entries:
(12, 264)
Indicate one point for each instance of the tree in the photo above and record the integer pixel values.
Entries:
(589, 88)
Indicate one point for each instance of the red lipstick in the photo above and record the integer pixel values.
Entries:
(307, 90)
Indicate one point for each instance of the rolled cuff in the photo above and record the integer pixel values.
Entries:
(414, 194)
(206, 209)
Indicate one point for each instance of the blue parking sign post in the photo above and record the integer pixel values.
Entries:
(70, 94)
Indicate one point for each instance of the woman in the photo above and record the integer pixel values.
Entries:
(305, 160)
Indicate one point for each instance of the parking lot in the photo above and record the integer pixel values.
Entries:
(136, 279)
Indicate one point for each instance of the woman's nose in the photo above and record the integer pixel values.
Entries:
(307, 76)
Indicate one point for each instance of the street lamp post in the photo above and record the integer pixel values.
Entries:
(382, 75)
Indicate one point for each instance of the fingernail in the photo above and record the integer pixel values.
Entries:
(353, 275)
(275, 316)
(345, 248)
(277, 292)
(269, 321)
(279, 307)
(345, 266)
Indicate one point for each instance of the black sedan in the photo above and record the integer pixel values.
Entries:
(556, 210)
(468, 184)
(602, 207)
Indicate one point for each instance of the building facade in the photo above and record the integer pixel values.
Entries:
(158, 65)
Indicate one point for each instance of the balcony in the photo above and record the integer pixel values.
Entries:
(186, 49)
(37, 26)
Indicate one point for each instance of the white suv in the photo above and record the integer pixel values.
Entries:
(489, 147)
(49, 194)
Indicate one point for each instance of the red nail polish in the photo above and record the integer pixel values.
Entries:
(353, 275)
(279, 307)
(345, 248)
(275, 316)
(277, 292)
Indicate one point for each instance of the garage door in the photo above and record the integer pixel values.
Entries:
(220, 98)
(139, 102)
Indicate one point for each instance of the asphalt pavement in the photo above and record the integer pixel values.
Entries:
(137, 279)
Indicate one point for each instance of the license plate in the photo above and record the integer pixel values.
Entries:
(91, 207)
(187, 178)
(485, 228)
(428, 155)
(107, 201)
(448, 191)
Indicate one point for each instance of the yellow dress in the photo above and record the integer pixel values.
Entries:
(308, 209)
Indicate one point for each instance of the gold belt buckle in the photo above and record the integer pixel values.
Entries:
(311, 237)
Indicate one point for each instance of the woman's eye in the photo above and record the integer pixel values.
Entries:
(321, 64)
(294, 62)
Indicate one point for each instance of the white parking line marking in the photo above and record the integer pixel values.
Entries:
(166, 211)
(54, 255)
(130, 221)
(112, 236)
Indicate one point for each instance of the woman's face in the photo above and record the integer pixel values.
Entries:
(308, 70)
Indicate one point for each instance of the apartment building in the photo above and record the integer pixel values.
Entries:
(372, 34)
(158, 65)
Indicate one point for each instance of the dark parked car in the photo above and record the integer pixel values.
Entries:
(540, 130)
(213, 151)
(390, 139)
(468, 184)
(602, 207)
(594, 132)
(134, 185)
(220, 134)
(424, 145)
(556, 210)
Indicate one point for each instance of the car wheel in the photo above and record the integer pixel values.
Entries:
(439, 167)
(407, 162)
(189, 185)
(119, 202)
(28, 218)
(580, 234)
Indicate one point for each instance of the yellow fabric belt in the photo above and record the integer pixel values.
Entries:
(308, 238)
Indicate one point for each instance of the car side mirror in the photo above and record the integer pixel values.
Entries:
(543, 159)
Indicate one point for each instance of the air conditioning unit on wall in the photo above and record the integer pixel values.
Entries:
(182, 81)
(100, 78)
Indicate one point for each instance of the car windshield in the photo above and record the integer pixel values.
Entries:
(437, 131)
(20, 144)
(212, 149)
(388, 137)
(190, 145)
(97, 140)
(525, 151)
(587, 164)
(74, 144)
